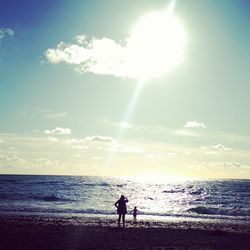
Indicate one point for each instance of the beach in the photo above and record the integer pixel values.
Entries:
(78, 212)
(59, 232)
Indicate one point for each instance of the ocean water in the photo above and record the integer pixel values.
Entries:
(77, 195)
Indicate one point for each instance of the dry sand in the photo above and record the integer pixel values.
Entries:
(43, 232)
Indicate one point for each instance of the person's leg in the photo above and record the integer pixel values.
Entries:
(123, 220)
(135, 219)
(119, 220)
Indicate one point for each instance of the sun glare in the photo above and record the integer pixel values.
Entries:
(157, 44)
(158, 178)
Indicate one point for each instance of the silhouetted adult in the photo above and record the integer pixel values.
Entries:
(121, 209)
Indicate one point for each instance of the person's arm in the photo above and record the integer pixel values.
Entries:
(116, 204)
(126, 200)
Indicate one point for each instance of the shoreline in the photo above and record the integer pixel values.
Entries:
(92, 233)
(111, 219)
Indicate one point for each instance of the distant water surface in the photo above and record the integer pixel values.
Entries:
(225, 199)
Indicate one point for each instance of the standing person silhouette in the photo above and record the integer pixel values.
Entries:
(121, 209)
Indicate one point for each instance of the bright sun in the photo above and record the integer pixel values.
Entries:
(156, 44)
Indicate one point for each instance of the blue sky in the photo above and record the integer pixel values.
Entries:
(62, 114)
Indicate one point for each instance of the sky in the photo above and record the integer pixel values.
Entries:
(154, 89)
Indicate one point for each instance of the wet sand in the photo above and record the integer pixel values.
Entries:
(43, 232)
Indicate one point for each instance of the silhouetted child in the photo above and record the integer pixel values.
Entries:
(135, 212)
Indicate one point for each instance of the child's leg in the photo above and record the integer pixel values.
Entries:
(134, 218)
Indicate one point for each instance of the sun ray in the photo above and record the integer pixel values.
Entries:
(162, 37)
(131, 107)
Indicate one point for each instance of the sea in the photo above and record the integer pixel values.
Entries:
(94, 196)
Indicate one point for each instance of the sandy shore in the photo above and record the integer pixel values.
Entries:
(43, 232)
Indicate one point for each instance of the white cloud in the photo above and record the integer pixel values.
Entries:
(171, 155)
(211, 153)
(50, 114)
(99, 138)
(53, 139)
(11, 159)
(26, 154)
(56, 115)
(72, 54)
(220, 147)
(125, 125)
(154, 156)
(5, 32)
(58, 131)
(4, 157)
(73, 141)
(99, 56)
(214, 149)
(226, 165)
(79, 155)
(37, 154)
(45, 163)
(147, 53)
(127, 149)
(1, 140)
(194, 124)
(232, 165)
(185, 132)
(80, 147)
(80, 39)
(96, 158)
